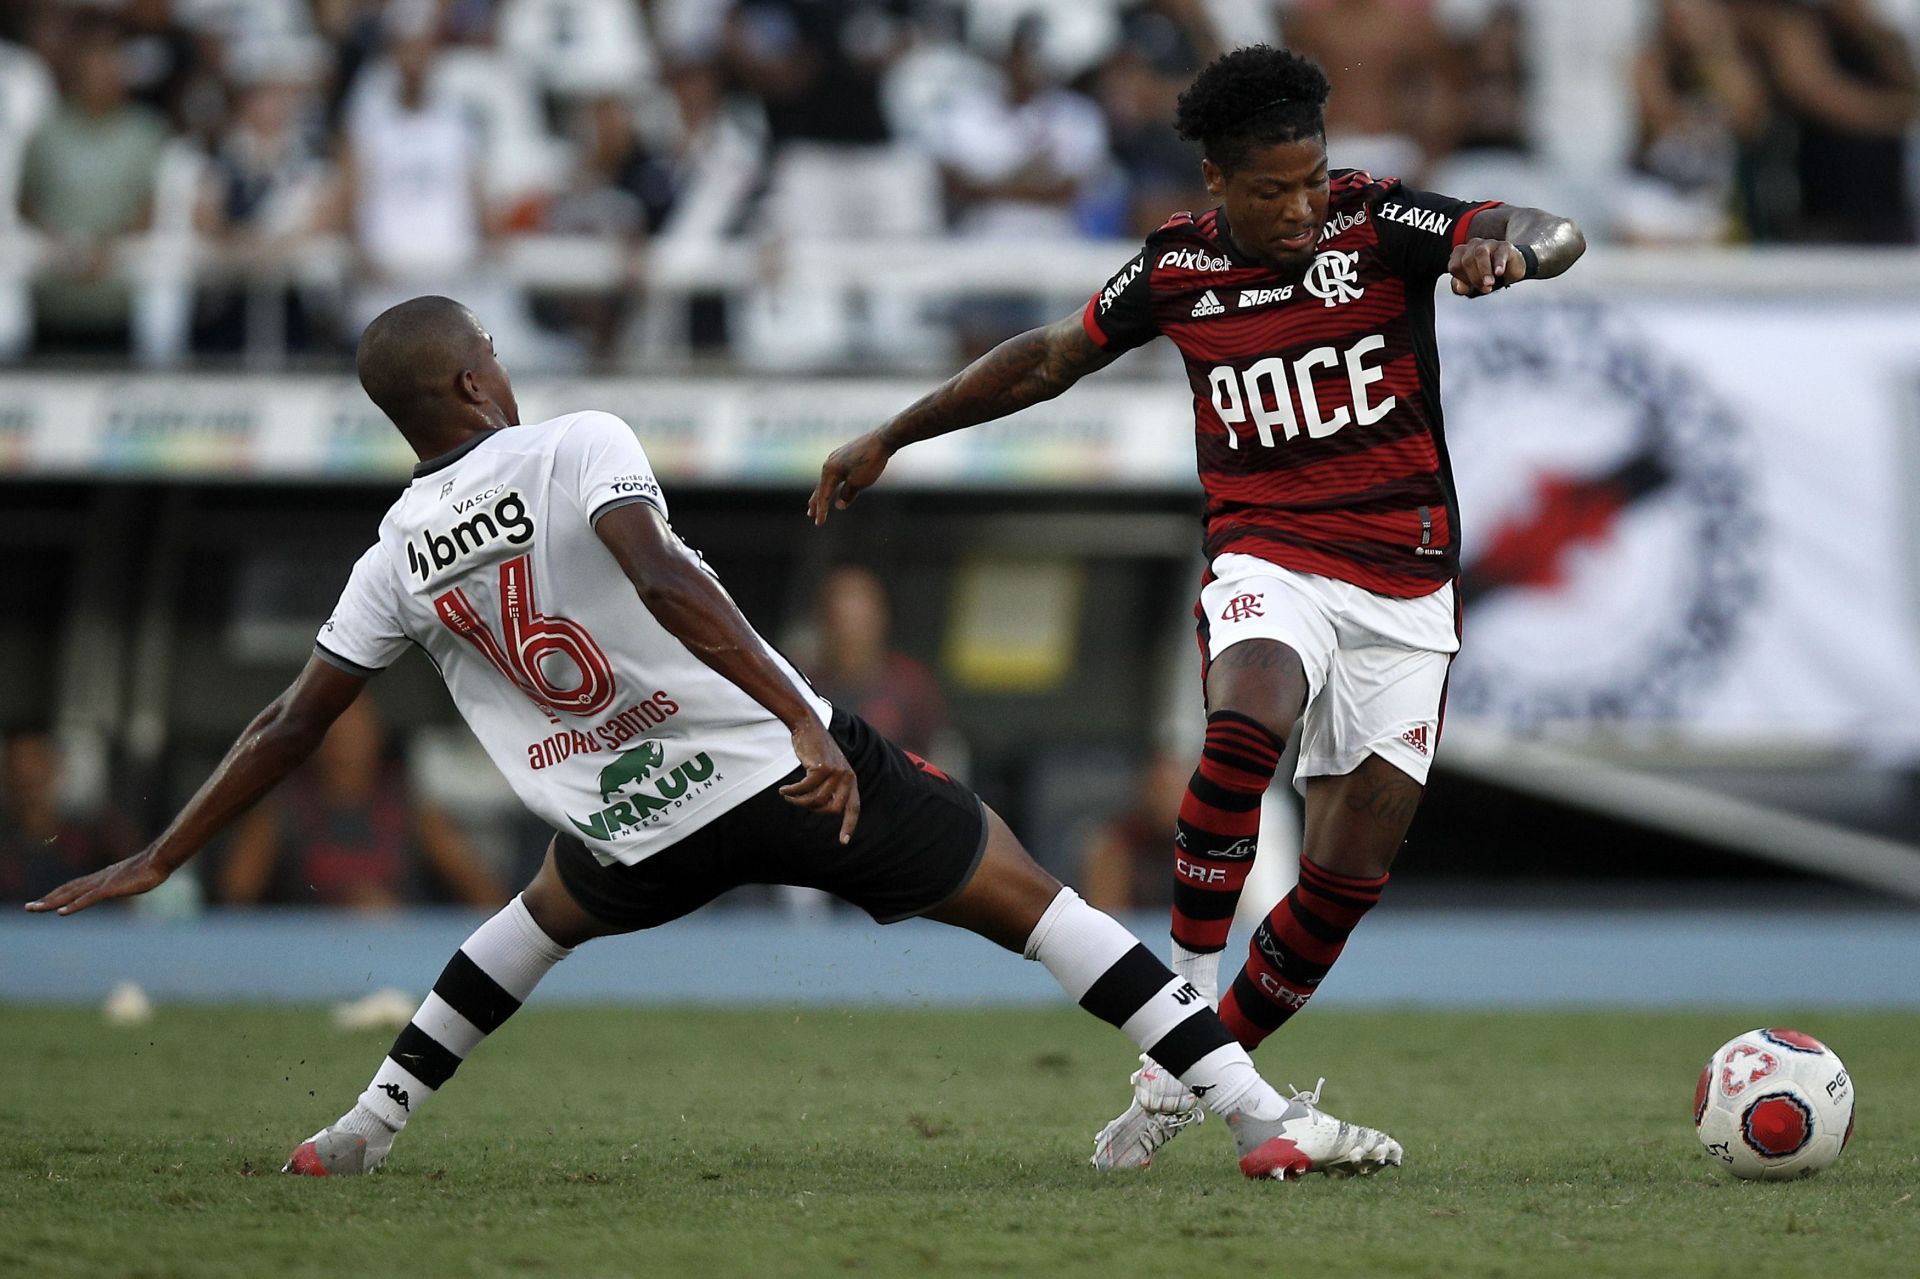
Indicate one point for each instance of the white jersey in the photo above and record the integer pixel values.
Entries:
(605, 725)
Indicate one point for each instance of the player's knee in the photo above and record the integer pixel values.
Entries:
(1263, 680)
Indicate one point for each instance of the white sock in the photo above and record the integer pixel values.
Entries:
(484, 983)
(1202, 968)
(1112, 975)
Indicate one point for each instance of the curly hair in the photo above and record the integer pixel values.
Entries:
(1250, 98)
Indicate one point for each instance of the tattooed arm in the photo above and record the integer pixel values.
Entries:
(1492, 258)
(1037, 365)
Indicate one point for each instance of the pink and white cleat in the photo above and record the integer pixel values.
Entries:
(1303, 1139)
(332, 1152)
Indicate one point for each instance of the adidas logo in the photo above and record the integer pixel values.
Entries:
(1207, 305)
(1416, 737)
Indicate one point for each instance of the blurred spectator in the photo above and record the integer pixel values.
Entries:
(816, 65)
(620, 190)
(1021, 160)
(1138, 87)
(1490, 72)
(268, 187)
(344, 832)
(414, 194)
(1124, 861)
(86, 181)
(1845, 85)
(174, 68)
(42, 847)
(578, 47)
(1392, 70)
(410, 168)
(1702, 103)
(857, 671)
(1019, 157)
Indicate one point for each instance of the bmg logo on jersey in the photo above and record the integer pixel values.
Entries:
(506, 520)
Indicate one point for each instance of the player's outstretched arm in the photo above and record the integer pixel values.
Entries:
(1493, 257)
(684, 598)
(273, 745)
(1037, 365)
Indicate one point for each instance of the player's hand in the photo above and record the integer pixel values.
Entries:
(1478, 267)
(850, 468)
(128, 878)
(829, 786)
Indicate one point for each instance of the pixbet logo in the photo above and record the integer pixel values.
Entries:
(1334, 277)
(1193, 260)
(1341, 223)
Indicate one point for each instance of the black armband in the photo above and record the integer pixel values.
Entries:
(1531, 258)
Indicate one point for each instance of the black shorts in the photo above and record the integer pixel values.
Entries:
(920, 838)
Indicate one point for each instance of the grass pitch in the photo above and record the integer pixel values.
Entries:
(695, 1142)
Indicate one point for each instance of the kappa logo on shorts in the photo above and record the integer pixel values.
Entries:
(1242, 607)
(1416, 737)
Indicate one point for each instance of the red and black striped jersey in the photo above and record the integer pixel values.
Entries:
(1316, 396)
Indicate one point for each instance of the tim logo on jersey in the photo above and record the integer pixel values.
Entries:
(506, 520)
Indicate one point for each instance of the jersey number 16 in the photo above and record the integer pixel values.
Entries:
(528, 643)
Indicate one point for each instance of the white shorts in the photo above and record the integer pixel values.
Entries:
(1376, 665)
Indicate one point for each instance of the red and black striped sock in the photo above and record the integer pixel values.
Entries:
(1293, 948)
(1218, 827)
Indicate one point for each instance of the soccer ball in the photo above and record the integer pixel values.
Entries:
(1773, 1105)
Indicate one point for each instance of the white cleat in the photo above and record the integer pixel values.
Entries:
(1304, 1139)
(1162, 1106)
(1130, 1140)
(1158, 1090)
(334, 1153)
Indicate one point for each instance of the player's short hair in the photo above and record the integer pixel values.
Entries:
(412, 353)
(1251, 98)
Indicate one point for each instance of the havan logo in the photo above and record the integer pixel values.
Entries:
(655, 790)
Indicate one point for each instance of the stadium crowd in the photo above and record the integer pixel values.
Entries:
(293, 166)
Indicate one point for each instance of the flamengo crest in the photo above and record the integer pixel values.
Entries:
(1334, 277)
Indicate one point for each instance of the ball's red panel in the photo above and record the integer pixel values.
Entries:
(1700, 1092)
(1794, 1039)
(1777, 1125)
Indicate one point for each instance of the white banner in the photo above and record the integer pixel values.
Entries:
(1690, 523)
(1686, 521)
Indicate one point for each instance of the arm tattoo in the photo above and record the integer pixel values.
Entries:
(1557, 242)
(1024, 370)
(1255, 655)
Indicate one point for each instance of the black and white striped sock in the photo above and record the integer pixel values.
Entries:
(484, 983)
(1112, 975)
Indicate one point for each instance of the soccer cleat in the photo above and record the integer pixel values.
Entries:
(1304, 1139)
(1160, 1092)
(333, 1153)
(1130, 1140)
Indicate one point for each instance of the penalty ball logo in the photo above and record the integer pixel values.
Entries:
(1743, 1066)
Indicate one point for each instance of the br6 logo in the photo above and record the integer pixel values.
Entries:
(1265, 391)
